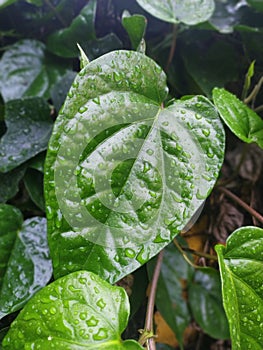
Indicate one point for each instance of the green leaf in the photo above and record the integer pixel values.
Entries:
(29, 127)
(247, 83)
(5, 3)
(124, 174)
(135, 26)
(83, 57)
(25, 70)
(241, 120)
(33, 180)
(175, 274)
(206, 303)
(9, 183)
(257, 4)
(25, 264)
(61, 88)
(64, 41)
(78, 311)
(241, 269)
(188, 11)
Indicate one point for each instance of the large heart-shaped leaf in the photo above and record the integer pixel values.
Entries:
(78, 311)
(174, 11)
(25, 70)
(29, 127)
(241, 120)
(24, 258)
(241, 269)
(124, 174)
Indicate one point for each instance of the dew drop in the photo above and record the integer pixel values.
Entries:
(101, 303)
(102, 334)
(130, 253)
(206, 132)
(92, 322)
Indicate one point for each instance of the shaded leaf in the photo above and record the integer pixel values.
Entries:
(25, 264)
(37, 162)
(126, 182)
(78, 311)
(9, 183)
(25, 70)
(29, 127)
(164, 333)
(257, 4)
(241, 120)
(205, 300)
(187, 11)
(61, 88)
(135, 26)
(33, 180)
(241, 269)
(5, 3)
(170, 296)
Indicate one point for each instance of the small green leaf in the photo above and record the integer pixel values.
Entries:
(33, 180)
(206, 303)
(188, 11)
(135, 26)
(247, 83)
(240, 119)
(241, 270)
(124, 174)
(29, 127)
(9, 183)
(174, 276)
(25, 264)
(78, 311)
(83, 57)
(25, 70)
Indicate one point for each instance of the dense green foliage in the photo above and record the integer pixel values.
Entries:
(120, 110)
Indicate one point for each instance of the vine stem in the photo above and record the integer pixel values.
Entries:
(173, 46)
(244, 205)
(147, 333)
(202, 255)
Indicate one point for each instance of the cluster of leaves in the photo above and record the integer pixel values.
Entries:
(129, 163)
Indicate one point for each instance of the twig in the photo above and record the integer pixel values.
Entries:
(173, 46)
(57, 14)
(202, 255)
(244, 205)
(254, 92)
(184, 254)
(147, 334)
(258, 109)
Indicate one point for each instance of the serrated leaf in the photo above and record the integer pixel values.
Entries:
(9, 183)
(78, 311)
(135, 26)
(123, 174)
(29, 127)
(241, 269)
(188, 11)
(170, 301)
(241, 120)
(25, 263)
(25, 70)
(33, 180)
(81, 30)
(205, 300)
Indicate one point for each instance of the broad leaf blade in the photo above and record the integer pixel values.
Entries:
(78, 311)
(29, 127)
(240, 119)
(135, 26)
(188, 11)
(141, 171)
(241, 270)
(25, 70)
(25, 263)
(205, 300)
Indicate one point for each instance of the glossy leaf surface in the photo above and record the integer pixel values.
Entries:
(25, 263)
(174, 11)
(29, 127)
(175, 275)
(241, 269)
(135, 26)
(78, 311)
(206, 303)
(123, 174)
(240, 119)
(25, 70)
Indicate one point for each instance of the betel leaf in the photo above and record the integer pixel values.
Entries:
(33, 181)
(135, 26)
(25, 70)
(241, 120)
(241, 266)
(9, 183)
(205, 300)
(188, 11)
(171, 300)
(29, 127)
(123, 174)
(78, 311)
(24, 256)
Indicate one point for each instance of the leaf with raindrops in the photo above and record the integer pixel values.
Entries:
(124, 174)
(25, 266)
(241, 269)
(78, 311)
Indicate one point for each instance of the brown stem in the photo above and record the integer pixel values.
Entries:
(244, 205)
(202, 255)
(148, 327)
(173, 46)
(184, 254)
(258, 109)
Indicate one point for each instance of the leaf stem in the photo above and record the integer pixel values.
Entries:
(173, 46)
(202, 255)
(147, 334)
(244, 205)
(57, 14)
(184, 254)
(252, 96)
(258, 109)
